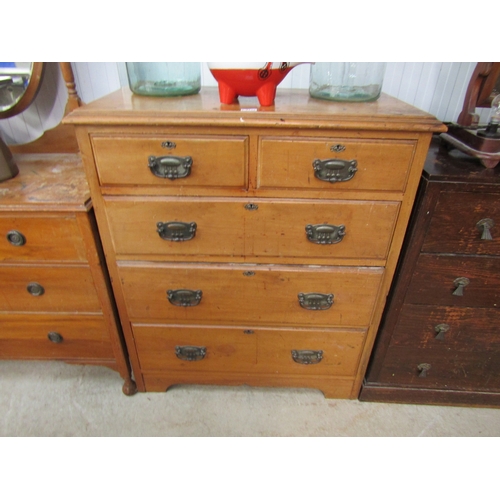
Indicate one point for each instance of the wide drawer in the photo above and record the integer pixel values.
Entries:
(34, 238)
(306, 352)
(254, 294)
(460, 222)
(289, 162)
(451, 328)
(216, 160)
(228, 227)
(61, 336)
(455, 281)
(51, 289)
(443, 369)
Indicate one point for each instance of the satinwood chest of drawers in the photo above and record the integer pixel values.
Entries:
(440, 337)
(251, 245)
(56, 299)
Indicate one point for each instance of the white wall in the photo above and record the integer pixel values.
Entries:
(436, 87)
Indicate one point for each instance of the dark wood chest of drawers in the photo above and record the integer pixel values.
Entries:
(439, 340)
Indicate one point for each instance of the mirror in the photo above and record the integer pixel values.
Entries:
(19, 84)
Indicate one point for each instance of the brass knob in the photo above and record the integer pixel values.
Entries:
(35, 289)
(55, 337)
(16, 238)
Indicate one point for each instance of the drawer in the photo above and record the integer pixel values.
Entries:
(63, 289)
(461, 220)
(34, 238)
(26, 336)
(242, 227)
(250, 294)
(228, 349)
(451, 328)
(444, 369)
(217, 161)
(287, 162)
(436, 281)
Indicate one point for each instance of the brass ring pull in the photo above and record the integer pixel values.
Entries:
(335, 170)
(176, 231)
(315, 301)
(484, 225)
(460, 284)
(16, 238)
(190, 352)
(55, 337)
(170, 167)
(35, 289)
(184, 298)
(305, 357)
(325, 234)
(423, 368)
(441, 330)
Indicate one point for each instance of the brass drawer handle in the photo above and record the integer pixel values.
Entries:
(16, 238)
(335, 170)
(55, 337)
(307, 357)
(176, 231)
(484, 225)
(190, 352)
(35, 289)
(441, 330)
(423, 368)
(170, 167)
(184, 298)
(460, 284)
(315, 301)
(325, 234)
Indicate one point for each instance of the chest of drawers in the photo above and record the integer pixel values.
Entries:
(440, 338)
(247, 245)
(56, 299)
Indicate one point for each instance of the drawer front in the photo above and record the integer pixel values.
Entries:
(216, 161)
(381, 165)
(250, 294)
(299, 352)
(51, 289)
(33, 336)
(450, 328)
(252, 227)
(437, 281)
(35, 238)
(460, 222)
(443, 369)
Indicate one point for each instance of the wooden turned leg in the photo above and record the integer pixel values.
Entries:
(129, 387)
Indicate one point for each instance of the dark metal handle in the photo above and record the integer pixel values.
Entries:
(325, 234)
(55, 337)
(315, 301)
(16, 238)
(335, 170)
(460, 284)
(190, 352)
(176, 231)
(441, 330)
(184, 298)
(484, 225)
(35, 289)
(170, 167)
(423, 368)
(307, 357)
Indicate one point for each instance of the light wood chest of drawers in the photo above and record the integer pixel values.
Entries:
(251, 246)
(56, 299)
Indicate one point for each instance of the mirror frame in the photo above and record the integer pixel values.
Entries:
(30, 93)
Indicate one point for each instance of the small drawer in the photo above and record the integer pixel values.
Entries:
(440, 369)
(334, 164)
(34, 336)
(455, 281)
(247, 227)
(250, 294)
(51, 289)
(465, 223)
(454, 328)
(180, 161)
(34, 238)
